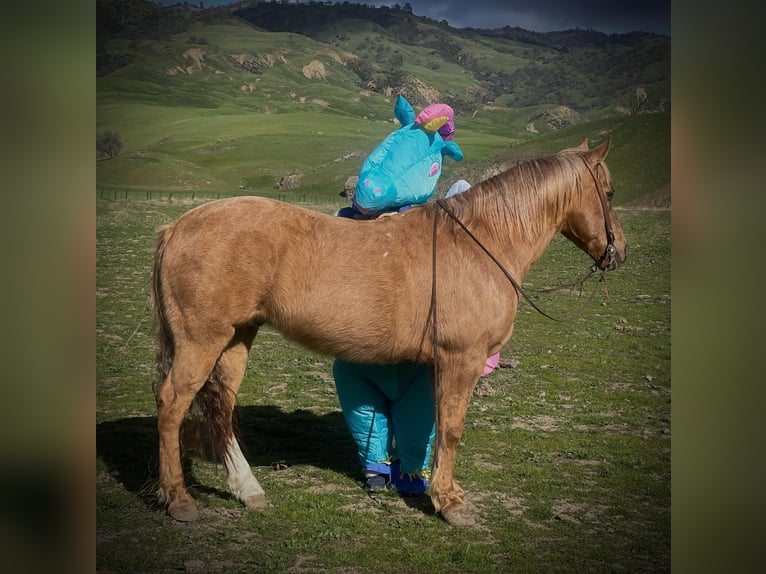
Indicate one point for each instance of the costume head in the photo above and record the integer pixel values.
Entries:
(405, 168)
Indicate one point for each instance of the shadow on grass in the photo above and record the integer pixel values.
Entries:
(267, 435)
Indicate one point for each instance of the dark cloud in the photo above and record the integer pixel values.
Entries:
(609, 16)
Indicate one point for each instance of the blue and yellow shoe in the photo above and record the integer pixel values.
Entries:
(408, 484)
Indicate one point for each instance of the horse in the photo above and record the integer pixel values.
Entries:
(370, 291)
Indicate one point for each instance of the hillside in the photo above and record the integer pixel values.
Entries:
(246, 95)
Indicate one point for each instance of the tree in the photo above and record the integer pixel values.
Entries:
(108, 143)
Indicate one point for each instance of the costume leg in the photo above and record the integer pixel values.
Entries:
(413, 417)
(366, 411)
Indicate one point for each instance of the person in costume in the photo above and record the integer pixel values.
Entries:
(389, 409)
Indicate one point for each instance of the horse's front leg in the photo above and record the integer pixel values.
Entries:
(457, 378)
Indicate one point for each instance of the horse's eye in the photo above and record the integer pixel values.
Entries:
(610, 194)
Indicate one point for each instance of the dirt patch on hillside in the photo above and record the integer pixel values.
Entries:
(415, 88)
(195, 54)
(429, 93)
(272, 59)
(337, 57)
(314, 70)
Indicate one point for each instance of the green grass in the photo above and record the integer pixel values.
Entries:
(189, 149)
(565, 457)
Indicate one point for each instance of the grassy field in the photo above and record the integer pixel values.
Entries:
(565, 454)
(242, 153)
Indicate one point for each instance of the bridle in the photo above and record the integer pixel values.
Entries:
(606, 260)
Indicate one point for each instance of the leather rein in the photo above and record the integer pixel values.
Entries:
(606, 259)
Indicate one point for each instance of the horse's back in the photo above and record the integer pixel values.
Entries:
(221, 258)
(236, 213)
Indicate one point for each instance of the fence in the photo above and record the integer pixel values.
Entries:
(113, 193)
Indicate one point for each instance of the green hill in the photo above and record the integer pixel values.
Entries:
(240, 97)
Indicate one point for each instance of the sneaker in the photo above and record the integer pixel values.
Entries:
(375, 483)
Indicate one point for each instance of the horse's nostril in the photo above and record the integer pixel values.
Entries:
(625, 254)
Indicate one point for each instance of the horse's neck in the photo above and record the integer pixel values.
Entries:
(513, 249)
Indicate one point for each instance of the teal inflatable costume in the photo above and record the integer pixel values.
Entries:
(405, 167)
(389, 409)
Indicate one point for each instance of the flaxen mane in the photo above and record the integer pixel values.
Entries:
(525, 197)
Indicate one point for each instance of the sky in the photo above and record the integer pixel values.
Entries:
(608, 16)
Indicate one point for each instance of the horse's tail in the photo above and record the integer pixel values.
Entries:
(165, 342)
(207, 428)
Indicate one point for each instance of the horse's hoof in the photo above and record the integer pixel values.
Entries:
(184, 512)
(256, 501)
(458, 517)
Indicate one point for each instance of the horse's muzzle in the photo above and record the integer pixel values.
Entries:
(612, 259)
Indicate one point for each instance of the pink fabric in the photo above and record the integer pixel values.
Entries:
(490, 365)
(434, 111)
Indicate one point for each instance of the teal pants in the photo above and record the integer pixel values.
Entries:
(389, 410)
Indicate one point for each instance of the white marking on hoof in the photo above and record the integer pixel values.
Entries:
(242, 482)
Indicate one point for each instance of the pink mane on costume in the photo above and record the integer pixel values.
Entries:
(437, 117)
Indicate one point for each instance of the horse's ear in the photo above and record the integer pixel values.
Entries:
(598, 154)
(583, 147)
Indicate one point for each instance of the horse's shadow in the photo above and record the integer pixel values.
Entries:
(268, 436)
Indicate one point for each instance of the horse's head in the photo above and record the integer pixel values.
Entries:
(593, 225)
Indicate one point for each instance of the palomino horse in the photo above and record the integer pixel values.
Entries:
(366, 291)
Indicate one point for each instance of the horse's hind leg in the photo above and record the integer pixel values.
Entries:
(192, 364)
(231, 367)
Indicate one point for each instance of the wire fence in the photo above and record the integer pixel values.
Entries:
(170, 196)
